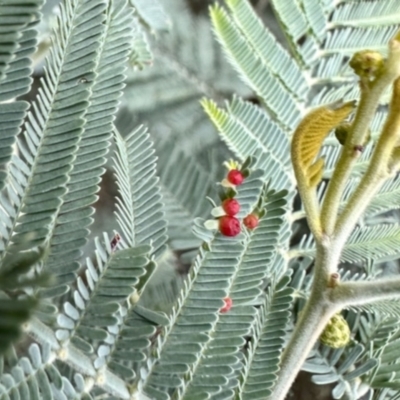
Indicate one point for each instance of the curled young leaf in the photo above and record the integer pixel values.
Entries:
(308, 138)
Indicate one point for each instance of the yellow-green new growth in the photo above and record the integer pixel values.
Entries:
(218, 116)
(306, 145)
(309, 136)
(367, 64)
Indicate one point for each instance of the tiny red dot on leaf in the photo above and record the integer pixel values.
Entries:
(227, 306)
(251, 221)
(231, 206)
(115, 241)
(235, 177)
(229, 226)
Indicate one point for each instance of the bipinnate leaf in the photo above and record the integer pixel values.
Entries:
(16, 310)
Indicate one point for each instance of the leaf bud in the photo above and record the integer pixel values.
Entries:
(367, 64)
(336, 333)
(342, 132)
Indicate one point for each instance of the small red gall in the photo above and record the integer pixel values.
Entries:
(231, 206)
(235, 177)
(227, 306)
(114, 242)
(359, 148)
(251, 221)
(229, 226)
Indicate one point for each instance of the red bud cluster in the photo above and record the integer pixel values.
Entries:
(235, 177)
(228, 224)
(231, 207)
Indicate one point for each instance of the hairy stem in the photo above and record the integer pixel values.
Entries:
(314, 317)
(328, 295)
(358, 293)
(322, 304)
(377, 172)
(370, 95)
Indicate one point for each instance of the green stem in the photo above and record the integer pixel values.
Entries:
(370, 95)
(322, 304)
(369, 102)
(359, 293)
(328, 296)
(314, 317)
(377, 172)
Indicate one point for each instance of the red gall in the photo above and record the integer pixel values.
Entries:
(227, 306)
(229, 226)
(251, 221)
(235, 177)
(231, 206)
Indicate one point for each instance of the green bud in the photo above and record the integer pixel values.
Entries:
(342, 132)
(367, 63)
(205, 246)
(336, 333)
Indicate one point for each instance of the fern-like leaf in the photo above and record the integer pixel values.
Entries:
(141, 55)
(387, 375)
(381, 334)
(139, 208)
(377, 329)
(254, 71)
(340, 366)
(261, 366)
(217, 371)
(181, 201)
(167, 95)
(292, 19)
(69, 232)
(152, 14)
(54, 129)
(14, 310)
(15, 18)
(388, 198)
(376, 242)
(317, 20)
(132, 336)
(349, 28)
(194, 317)
(17, 43)
(247, 130)
(265, 45)
(388, 308)
(365, 13)
(33, 377)
(76, 389)
(109, 283)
